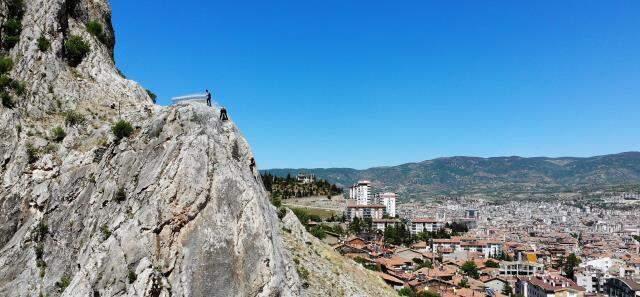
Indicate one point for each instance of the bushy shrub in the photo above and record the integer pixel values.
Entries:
(10, 41)
(32, 154)
(318, 232)
(7, 101)
(95, 28)
(43, 44)
(132, 276)
(15, 8)
(76, 50)
(5, 82)
(18, 87)
(12, 27)
(58, 134)
(122, 129)
(11, 31)
(106, 233)
(72, 118)
(6, 64)
(121, 195)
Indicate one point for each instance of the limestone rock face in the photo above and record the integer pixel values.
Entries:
(173, 210)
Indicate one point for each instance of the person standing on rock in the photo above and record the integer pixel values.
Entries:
(208, 98)
(223, 114)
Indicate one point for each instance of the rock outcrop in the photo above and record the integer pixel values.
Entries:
(174, 209)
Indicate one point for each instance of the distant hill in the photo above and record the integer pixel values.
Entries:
(492, 176)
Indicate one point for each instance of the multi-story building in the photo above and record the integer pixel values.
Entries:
(548, 286)
(389, 201)
(361, 193)
(487, 247)
(382, 224)
(520, 268)
(592, 281)
(373, 212)
(425, 225)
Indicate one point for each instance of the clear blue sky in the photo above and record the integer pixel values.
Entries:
(366, 83)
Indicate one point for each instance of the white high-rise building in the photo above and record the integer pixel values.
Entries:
(389, 201)
(361, 192)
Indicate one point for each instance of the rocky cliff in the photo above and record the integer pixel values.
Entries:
(172, 210)
(170, 207)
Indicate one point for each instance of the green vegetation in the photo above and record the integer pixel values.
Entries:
(367, 264)
(318, 232)
(507, 290)
(43, 44)
(397, 235)
(303, 273)
(7, 101)
(106, 233)
(58, 134)
(63, 283)
(12, 27)
(470, 269)
(409, 292)
(72, 118)
(95, 28)
(120, 195)
(6, 64)
(132, 276)
(76, 49)
(570, 264)
(152, 95)
(289, 187)
(464, 283)
(41, 231)
(122, 129)
(318, 214)
(33, 154)
(492, 264)
(422, 263)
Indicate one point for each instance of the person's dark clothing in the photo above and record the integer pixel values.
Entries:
(223, 114)
(208, 99)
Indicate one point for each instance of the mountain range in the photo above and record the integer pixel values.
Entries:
(493, 176)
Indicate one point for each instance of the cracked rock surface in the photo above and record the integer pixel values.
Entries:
(173, 210)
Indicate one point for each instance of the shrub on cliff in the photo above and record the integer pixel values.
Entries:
(7, 101)
(43, 44)
(58, 134)
(6, 64)
(72, 118)
(122, 129)
(76, 50)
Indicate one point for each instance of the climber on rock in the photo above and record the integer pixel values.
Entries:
(252, 164)
(223, 114)
(208, 98)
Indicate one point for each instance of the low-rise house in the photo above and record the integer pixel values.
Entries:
(548, 286)
(496, 284)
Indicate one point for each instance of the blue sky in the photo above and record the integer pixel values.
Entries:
(370, 83)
